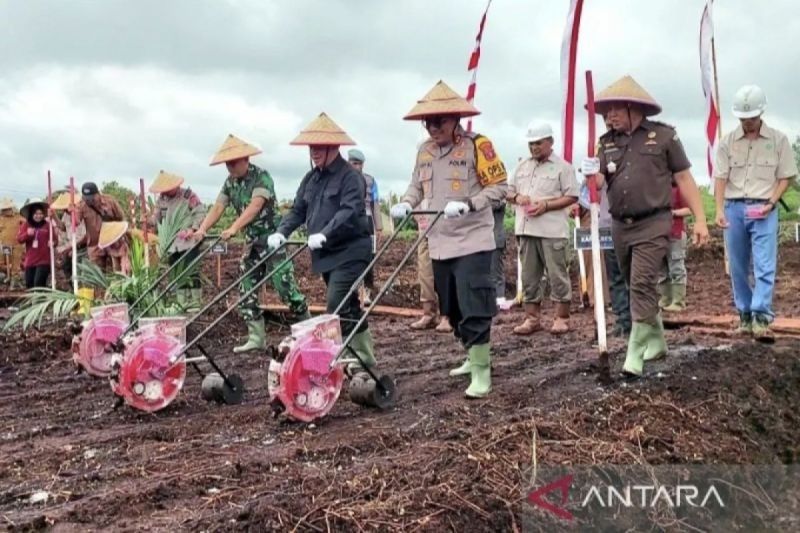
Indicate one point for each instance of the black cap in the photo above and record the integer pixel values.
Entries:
(89, 188)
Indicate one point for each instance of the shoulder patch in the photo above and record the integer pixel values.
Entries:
(489, 167)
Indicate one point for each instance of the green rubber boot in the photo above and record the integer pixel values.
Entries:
(362, 344)
(656, 343)
(196, 298)
(678, 299)
(182, 297)
(463, 370)
(637, 346)
(480, 361)
(665, 290)
(256, 338)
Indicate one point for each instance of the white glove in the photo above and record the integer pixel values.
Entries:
(590, 166)
(400, 210)
(455, 209)
(275, 241)
(316, 241)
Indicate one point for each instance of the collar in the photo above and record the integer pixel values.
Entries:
(335, 166)
(765, 131)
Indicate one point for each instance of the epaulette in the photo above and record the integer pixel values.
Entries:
(664, 124)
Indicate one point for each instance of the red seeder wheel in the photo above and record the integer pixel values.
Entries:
(147, 380)
(93, 353)
(303, 384)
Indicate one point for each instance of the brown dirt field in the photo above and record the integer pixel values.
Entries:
(435, 462)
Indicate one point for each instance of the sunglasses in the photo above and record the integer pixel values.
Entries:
(435, 122)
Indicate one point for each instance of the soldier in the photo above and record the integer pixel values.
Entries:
(13, 252)
(754, 167)
(672, 283)
(330, 203)
(373, 205)
(94, 209)
(249, 190)
(170, 197)
(638, 159)
(459, 173)
(543, 187)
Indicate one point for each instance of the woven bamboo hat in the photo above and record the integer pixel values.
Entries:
(111, 232)
(31, 205)
(625, 89)
(166, 182)
(322, 131)
(62, 202)
(441, 100)
(6, 203)
(233, 148)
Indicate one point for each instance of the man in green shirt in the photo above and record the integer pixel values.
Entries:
(251, 192)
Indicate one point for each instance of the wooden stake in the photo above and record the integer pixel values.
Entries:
(719, 138)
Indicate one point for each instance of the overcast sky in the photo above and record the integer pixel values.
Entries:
(116, 90)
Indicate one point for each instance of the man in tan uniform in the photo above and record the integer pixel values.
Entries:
(11, 249)
(542, 188)
(459, 173)
(754, 167)
(638, 159)
(94, 209)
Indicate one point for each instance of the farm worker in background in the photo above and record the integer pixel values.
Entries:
(12, 251)
(373, 206)
(249, 190)
(114, 241)
(459, 173)
(638, 159)
(171, 196)
(543, 187)
(330, 204)
(672, 285)
(95, 209)
(64, 250)
(34, 233)
(754, 167)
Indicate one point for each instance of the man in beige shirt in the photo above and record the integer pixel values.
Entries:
(754, 167)
(459, 173)
(541, 188)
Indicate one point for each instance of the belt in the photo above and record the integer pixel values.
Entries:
(748, 200)
(630, 219)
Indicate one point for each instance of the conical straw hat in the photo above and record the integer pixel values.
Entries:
(62, 202)
(166, 182)
(322, 131)
(6, 203)
(625, 89)
(233, 148)
(111, 232)
(441, 100)
(31, 204)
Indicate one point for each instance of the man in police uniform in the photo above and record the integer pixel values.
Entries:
(639, 159)
(172, 196)
(250, 191)
(459, 173)
(542, 188)
(330, 203)
(754, 167)
(372, 201)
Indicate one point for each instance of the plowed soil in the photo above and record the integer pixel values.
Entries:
(434, 462)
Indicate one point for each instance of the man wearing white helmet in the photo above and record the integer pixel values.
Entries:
(542, 187)
(754, 167)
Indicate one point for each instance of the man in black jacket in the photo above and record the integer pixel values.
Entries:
(330, 203)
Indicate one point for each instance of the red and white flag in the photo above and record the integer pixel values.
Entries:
(474, 59)
(569, 54)
(708, 78)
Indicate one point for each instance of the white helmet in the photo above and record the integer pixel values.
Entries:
(749, 101)
(537, 132)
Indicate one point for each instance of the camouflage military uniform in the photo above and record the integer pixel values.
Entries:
(238, 193)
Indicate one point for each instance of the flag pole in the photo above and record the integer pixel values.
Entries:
(52, 230)
(719, 138)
